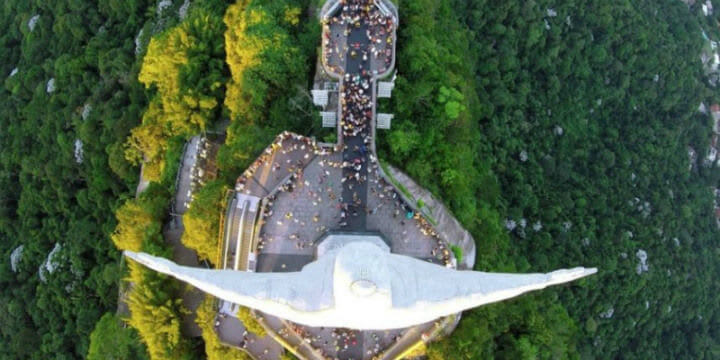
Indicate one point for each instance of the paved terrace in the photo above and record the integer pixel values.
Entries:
(358, 47)
(304, 190)
(278, 164)
(347, 33)
(232, 332)
(303, 183)
(308, 206)
(194, 164)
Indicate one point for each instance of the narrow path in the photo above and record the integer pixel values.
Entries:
(173, 232)
(357, 114)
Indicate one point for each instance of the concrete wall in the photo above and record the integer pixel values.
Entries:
(447, 226)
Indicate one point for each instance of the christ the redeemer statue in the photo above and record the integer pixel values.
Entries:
(361, 286)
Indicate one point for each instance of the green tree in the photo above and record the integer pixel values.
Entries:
(214, 350)
(201, 221)
(111, 340)
(251, 323)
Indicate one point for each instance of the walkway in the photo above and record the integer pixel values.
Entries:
(448, 228)
(173, 232)
(281, 160)
(359, 33)
(355, 187)
(234, 334)
(238, 254)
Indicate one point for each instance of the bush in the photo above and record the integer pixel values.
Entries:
(214, 350)
(110, 340)
(250, 322)
(155, 312)
(458, 252)
(201, 221)
(135, 224)
(184, 64)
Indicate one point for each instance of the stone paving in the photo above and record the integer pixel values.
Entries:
(233, 333)
(330, 343)
(301, 214)
(287, 155)
(295, 218)
(336, 45)
(346, 343)
(365, 32)
(354, 101)
(340, 42)
(284, 330)
(173, 231)
(449, 228)
(282, 262)
(411, 236)
(283, 157)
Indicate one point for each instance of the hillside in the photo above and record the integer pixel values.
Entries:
(560, 133)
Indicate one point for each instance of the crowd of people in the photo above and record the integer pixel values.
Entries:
(318, 189)
(202, 170)
(333, 343)
(380, 30)
(344, 338)
(285, 143)
(355, 99)
(387, 196)
(357, 107)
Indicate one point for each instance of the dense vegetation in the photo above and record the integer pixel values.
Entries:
(153, 299)
(214, 350)
(202, 220)
(271, 56)
(67, 104)
(183, 103)
(556, 131)
(583, 112)
(185, 66)
(111, 340)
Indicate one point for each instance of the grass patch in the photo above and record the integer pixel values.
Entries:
(458, 252)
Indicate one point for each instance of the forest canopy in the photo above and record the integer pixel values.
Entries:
(557, 132)
(582, 113)
(68, 101)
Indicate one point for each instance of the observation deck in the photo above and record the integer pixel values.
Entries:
(308, 190)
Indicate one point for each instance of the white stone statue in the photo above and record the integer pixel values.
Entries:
(361, 286)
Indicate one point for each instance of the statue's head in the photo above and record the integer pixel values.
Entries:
(361, 277)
